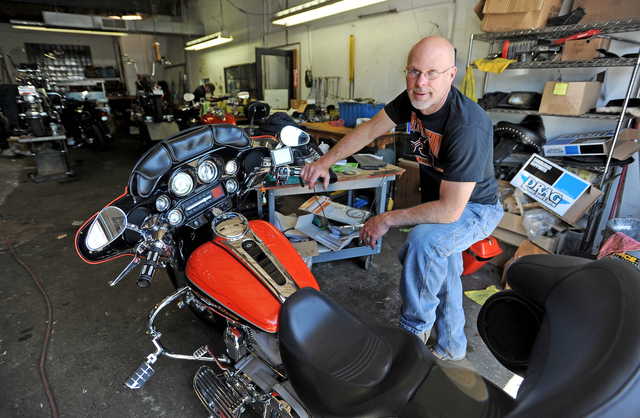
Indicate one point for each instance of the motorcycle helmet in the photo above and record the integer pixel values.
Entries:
(257, 111)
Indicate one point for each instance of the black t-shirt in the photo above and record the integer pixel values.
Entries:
(453, 144)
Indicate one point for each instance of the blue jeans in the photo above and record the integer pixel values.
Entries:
(431, 287)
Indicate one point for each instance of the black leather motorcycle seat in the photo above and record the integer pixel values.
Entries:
(586, 358)
(341, 366)
(181, 147)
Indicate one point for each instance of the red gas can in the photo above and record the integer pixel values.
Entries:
(479, 253)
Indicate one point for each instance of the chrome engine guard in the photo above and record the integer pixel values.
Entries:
(145, 370)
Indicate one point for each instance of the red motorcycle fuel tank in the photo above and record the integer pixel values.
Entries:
(218, 274)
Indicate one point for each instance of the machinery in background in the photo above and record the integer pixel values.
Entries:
(36, 116)
(86, 123)
(151, 116)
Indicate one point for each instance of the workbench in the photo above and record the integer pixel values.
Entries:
(362, 179)
(51, 165)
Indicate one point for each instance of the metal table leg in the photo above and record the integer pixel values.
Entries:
(271, 204)
(259, 196)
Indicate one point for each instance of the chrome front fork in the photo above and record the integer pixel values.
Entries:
(144, 372)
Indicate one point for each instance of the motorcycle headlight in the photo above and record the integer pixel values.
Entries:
(207, 171)
(231, 186)
(231, 167)
(162, 203)
(175, 217)
(181, 184)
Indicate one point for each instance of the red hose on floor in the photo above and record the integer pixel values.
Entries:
(45, 345)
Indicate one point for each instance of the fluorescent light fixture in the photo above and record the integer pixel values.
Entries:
(208, 41)
(317, 9)
(76, 31)
(131, 17)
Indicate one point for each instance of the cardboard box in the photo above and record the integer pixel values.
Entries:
(594, 143)
(583, 49)
(508, 15)
(602, 11)
(524, 248)
(575, 98)
(627, 145)
(511, 231)
(407, 192)
(298, 105)
(558, 190)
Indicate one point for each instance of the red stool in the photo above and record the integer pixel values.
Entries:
(479, 253)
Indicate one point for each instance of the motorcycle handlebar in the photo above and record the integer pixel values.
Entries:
(148, 268)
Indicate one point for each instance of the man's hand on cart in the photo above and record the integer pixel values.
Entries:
(312, 172)
(374, 229)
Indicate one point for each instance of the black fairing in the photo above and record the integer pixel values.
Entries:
(342, 367)
(180, 148)
(124, 244)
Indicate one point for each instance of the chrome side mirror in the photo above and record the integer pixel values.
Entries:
(294, 137)
(109, 224)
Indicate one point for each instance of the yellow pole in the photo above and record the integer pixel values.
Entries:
(352, 57)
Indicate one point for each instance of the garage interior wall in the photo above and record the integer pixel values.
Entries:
(139, 48)
(13, 40)
(382, 41)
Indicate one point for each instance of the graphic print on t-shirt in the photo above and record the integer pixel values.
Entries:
(424, 143)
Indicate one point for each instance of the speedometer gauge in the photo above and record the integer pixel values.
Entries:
(231, 167)
(162, 203)
(181, 184)
(231, 186)
(207, 171)
(175, 217)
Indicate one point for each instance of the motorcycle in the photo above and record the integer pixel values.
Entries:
(193, 113)
(288, 350)
(86, 122)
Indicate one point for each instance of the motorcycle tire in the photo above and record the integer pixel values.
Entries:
(99, 139)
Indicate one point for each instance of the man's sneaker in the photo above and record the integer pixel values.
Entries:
(424, 336)
(444, 357)
(8, 153)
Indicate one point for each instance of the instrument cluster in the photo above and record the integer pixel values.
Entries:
(197, 186)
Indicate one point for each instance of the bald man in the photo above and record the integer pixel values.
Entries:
(452, 139)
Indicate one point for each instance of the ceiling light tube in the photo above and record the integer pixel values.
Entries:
(76, 31)
(317, 9)
(131, 17)
(208, 41)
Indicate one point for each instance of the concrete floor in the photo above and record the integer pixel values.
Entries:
(98, 337)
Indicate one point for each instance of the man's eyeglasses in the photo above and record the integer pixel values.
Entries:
(414, 74)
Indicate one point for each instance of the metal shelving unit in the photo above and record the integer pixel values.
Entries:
(555, 32)
(602, 116)
(599, 62)
(589, 242)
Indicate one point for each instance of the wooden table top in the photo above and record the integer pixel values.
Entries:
(326, 127)
(386, 171)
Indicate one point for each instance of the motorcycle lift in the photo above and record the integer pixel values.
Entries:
(51, 164)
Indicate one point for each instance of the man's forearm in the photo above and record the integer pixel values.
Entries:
(436, 212)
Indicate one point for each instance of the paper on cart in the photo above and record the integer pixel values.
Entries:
(325, 207)
(287, 225)
(333, 242)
